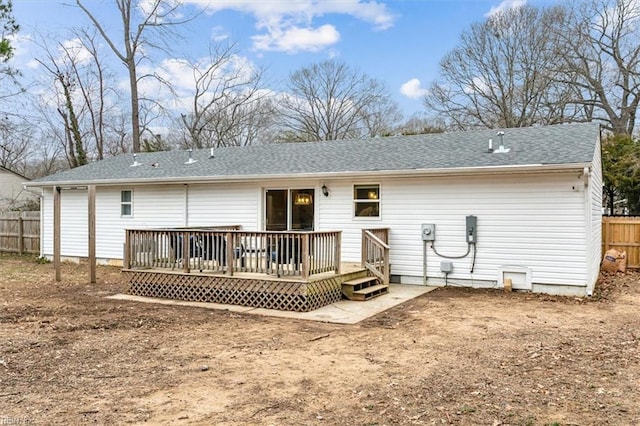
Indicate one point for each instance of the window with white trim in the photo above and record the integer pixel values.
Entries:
(366, 200)
(126, 203)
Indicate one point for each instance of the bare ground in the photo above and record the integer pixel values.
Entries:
(456, 356)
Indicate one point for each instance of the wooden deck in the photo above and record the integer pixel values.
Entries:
(289, 270)
(260, 290)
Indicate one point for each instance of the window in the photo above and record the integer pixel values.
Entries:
(125, 203)
(366, 200)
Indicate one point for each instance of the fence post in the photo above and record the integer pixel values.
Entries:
(20, 235)
(607, 222)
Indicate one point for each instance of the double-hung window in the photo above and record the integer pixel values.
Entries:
(366, 200)
(126, 203)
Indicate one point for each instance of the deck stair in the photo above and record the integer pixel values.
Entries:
(363, 288)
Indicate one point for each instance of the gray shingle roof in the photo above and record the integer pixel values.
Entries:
(559, 144)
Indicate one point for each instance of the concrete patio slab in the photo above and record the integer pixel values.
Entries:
(343, 312)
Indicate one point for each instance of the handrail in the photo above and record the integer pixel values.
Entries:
(375, 256)
(378, 241)
(381, 233)
(190, 228)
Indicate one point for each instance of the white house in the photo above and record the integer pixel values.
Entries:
(466, 208)
(12, 193)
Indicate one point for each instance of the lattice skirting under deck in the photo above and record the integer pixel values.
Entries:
(281, 295)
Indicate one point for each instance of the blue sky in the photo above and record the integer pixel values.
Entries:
(399, 42)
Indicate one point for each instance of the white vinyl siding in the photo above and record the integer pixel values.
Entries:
(74, 209)
(225, 204)
(155, 206)
(46, 227)
(12, 194)
(534, 221)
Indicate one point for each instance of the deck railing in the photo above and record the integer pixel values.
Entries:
(228, 249)
(375, 252)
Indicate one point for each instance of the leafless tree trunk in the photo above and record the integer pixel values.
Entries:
(157, 16)
(330, 101)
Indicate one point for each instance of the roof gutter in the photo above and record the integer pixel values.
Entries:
(444, 172)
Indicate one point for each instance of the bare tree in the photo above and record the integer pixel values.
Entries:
(421, 124)
(157, 17)
(15, 146)
(330, 101)
(78, 107)
(601, 57)
(46, 158)
(381, 118)
(229, 106)
(73, 140)
(93, 84)
(504, 73)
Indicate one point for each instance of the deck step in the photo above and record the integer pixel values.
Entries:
(363, 288)
(360, 283)
(370, 292)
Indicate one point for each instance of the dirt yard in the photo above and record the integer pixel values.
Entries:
(68, 355)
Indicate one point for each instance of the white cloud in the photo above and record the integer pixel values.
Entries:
(371, 11)
(477, 85)
(32, 64)
(413, 89)
(22, 49)
(74, 49)
(181, 74)
(161, 11)
(294, 39)
(505, 5)
(218, 34)
(282, 18)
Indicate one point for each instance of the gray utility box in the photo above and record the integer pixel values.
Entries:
(446, 266)
(428, 232)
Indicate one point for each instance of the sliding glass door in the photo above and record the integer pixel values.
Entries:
(289, 209)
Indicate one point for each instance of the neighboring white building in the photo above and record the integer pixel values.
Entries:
(536, 201)
(12, 193)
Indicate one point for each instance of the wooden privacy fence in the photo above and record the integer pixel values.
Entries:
(623, 234)
(20, 232)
